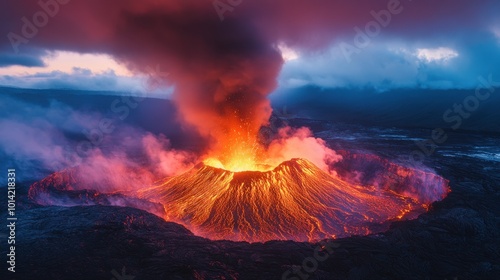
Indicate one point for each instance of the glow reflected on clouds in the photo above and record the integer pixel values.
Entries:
(496, 31)
(288, 53)
(386, 65)
(442, 54)
(65, 62)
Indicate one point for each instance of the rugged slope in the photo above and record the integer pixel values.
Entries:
(295, 201)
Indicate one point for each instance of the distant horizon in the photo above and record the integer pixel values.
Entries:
(382, 45)
(250, 139)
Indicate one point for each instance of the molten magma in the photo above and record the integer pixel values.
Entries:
(239, 154)
(247, 154)
(228, 104)
(294, 201)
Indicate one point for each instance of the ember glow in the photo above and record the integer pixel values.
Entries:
(288, 143)
(294, 201)
(222, 72)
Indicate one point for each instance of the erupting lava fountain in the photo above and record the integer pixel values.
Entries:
(296, 200)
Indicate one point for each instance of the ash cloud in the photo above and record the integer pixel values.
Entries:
(223, 71)
(179, 32)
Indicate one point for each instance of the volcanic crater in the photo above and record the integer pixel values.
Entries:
(294, 201)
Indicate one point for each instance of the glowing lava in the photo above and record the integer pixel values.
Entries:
(238, 153)
(294, 201)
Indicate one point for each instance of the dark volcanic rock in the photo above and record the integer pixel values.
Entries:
(68, 188)
(90, 242)
(458, 238)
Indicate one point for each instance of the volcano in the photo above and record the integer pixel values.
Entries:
(294, 201)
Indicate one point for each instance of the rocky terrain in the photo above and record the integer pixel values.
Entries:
(458, 238)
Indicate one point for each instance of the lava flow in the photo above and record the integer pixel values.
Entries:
(222, 74)
(294, 201)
